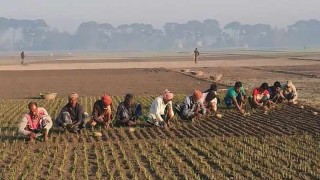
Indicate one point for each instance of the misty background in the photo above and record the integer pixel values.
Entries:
(143, 25)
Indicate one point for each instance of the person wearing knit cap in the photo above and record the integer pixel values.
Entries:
(72, 116)
(289, 93)
(161, 111)
(102, 112)
(128, 112)
(192, 106)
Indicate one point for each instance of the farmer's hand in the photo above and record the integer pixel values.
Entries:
(196, 113)
(101, 118)
(242, 111)
(32, 135)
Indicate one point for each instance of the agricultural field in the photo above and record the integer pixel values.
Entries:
(284, 144)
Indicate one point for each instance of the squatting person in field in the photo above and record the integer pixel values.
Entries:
(102, 112)
(128, 112)
(210, 99)
(235, 96)
(36, 123)
(192, 106)
(72, 116)
(260, 97)
(276, 92)
(290, 93)
(161, 111)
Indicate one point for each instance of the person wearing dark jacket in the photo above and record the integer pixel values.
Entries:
(275, 92)
(128, 112)
(210, 98)
(192, 106)
(72, 117)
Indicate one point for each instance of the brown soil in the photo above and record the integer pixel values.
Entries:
(24, 84)
(205, 148)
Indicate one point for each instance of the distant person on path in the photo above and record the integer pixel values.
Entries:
(102, 112)
(192, 106)
(260, 97)
(235, 96)
(196, 55)
(22, 57)
(72, 116)
(128, 112)
(290, 93)
(36, 123)
(161, 111)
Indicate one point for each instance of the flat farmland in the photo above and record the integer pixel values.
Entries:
(281, 145)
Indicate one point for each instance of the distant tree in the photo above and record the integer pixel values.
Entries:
(258, 35)
(304, 33)
(231, 34)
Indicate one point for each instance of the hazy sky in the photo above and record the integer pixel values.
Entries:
(68, 14)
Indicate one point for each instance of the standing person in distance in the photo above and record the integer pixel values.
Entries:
(22, 57)
(196, 54)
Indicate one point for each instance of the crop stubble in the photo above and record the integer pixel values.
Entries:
(283, 144)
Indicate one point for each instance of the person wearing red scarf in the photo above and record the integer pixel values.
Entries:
(102, 112)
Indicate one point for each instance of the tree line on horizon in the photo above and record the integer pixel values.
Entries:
(91, 36)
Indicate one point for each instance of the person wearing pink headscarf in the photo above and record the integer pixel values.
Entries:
(161, 111)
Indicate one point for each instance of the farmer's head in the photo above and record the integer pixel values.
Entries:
(289, 84)
(128, 100)
(213, 87)
(264, 86)
(167, 96)
(33, 108)
(237, 86)
(106, 100)
(277, 86)
(196, 95)
(73, 98)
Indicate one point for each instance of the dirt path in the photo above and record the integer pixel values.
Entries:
(158, 64)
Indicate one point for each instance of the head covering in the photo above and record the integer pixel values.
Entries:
(289, 83)
(106, 99)
(167, 95)
(73, 95)
(197, 94)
